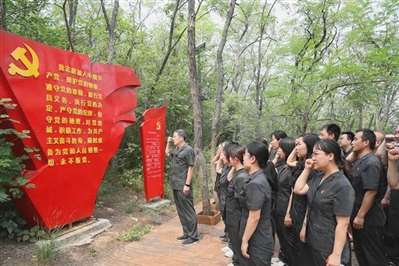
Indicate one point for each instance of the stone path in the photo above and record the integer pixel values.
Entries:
(160, 247)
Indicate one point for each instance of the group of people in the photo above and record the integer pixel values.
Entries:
(321, 195)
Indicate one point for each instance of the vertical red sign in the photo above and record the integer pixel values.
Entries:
(153, 130)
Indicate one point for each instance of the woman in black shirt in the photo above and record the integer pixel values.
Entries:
(330, 204)
(285, 184)
(255, 201)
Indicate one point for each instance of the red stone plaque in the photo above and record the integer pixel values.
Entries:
(75, 113)
(153, 131)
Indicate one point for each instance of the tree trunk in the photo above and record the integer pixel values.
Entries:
(70, 20)
(220, 84)
(3, 23)
(193, 73)
(111, 25)
(197, 109)
(360, 117)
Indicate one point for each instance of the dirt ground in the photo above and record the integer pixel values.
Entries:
(123, 209)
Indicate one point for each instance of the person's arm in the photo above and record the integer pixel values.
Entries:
(301, 187)
(302, 233)
(341, 230)
(292, 160)
(351, 157)
(230, 174)
(387, 198)
(380, 150)
(168, 146)
(250, 227)
(287, 218)
(393, 171)
(216, 158)
(190, 159)
(368, 200)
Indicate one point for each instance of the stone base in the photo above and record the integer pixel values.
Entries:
(157, 205)
(212, 219)
(81, 234)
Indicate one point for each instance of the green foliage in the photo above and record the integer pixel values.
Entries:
(135, 233)
(133, 179)
(13, 226)
(45, 252)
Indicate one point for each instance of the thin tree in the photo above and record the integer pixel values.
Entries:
(111, 26)
(220, 81)
(200, 163)
(3, 23)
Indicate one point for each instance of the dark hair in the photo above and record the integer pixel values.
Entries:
(330, 146)
(368, 134)
(279, 134)
(181, 133)
(310, 140)
(349, 134)
(227, 150)
(333, 129)
(287, 145)
(264, 141)
(237, 151)
(260, 151)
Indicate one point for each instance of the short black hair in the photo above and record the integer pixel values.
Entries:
(237, 151)
(333, 129)
(260, 151)
(181, 133)
(349, 134)
(330, 146)
(279, 134)
(368, 134)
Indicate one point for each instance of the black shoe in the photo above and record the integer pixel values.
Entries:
(183, 237)
(189, 241)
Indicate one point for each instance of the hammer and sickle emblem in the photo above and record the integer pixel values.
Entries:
(158, 125)
(31, 68)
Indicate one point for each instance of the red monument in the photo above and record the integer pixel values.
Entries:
(75, 113)
(153, 130)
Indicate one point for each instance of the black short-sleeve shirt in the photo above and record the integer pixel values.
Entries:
(327, 199)
(256, 195)
(181, 159)
(367, 174)
(233, 208)
(285, 184)
(393, 213)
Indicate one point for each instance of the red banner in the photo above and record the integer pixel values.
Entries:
(75, 113)
(153, 139)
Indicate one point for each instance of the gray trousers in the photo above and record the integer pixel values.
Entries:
(186, 212)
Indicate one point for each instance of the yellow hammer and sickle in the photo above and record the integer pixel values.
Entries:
(158, 125)
(32, 68)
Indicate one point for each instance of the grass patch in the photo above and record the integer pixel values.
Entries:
(135, 233)
(45, 252)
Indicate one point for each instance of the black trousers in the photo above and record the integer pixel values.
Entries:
(186, 212)
(369, 246)
(233, 231)
(287, 239)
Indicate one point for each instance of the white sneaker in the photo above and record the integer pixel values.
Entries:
(229, 253)
(275, 260)
(230, 264)
(226, 248)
